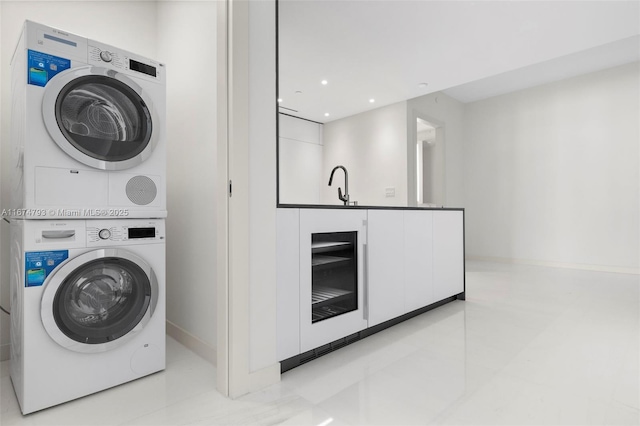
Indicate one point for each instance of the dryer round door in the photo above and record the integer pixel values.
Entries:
(99, 300)
(100, 117)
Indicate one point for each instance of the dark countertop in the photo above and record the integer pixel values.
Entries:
(335, 206)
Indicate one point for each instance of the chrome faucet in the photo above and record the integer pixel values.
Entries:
(344, 198)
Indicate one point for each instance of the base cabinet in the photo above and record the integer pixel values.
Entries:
(342, 271)
(385, 265)
(448, 253)
(288, 282)
(399, 263)
(418, 259)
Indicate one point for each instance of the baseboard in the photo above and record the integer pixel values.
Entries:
(192, 342)
(5, 352)
(264, 377)
(583, 266)
(298, 360)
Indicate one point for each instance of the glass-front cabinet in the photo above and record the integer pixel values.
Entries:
(332, 280)
(334, 274)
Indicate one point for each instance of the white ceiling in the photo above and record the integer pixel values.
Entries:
(598, 58)
(470, 49)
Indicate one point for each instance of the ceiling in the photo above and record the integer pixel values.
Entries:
(472, 50)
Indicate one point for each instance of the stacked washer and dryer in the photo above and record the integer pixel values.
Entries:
(87, 218)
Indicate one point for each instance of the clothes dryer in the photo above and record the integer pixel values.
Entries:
(88, 306)
(88, 129)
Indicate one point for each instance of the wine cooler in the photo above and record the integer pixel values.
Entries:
(332, 278)
(334, 274)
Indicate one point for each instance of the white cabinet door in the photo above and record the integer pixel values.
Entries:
(418, 259)
(288, 282)
(313, 335)
(385, 264)
(300, 172)
(448, 253)
(300, 161)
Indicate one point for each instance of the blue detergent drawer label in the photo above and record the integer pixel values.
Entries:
(42, 67)
(39, 264)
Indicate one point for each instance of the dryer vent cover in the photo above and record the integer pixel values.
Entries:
(141, 190)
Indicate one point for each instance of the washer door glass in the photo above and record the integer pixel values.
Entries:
(102, 300)
(103, 118)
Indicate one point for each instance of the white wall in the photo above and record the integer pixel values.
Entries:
(181, 34)
(136, 31)
(447, 114)
(373, 147)
(186, 43)
(552, 173)
(300, 149)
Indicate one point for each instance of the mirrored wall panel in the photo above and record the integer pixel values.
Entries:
(384, 88)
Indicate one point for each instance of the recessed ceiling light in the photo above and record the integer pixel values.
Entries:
(326, 114)
(324, 82)
(372, 100)
(279, 99)
(423, 85)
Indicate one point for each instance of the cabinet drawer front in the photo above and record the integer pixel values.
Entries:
(386, 275)
(448, 253)
(418, 257)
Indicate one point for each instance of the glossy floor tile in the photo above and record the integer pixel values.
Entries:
(529, 346)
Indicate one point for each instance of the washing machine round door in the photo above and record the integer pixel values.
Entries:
(99, 300)
(100, 117)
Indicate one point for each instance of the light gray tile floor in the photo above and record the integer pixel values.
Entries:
(530, 345)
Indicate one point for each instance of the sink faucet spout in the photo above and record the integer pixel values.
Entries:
(344, 198)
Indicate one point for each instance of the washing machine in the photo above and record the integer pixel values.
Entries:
(88, 129)
(88, 306)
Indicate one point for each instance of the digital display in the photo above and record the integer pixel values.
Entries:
(142, 233)
(143, 68)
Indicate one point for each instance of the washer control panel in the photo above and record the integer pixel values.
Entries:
(106, 56)
(142, 231)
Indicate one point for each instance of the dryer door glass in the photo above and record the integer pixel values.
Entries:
(102, 300)
(103, 118)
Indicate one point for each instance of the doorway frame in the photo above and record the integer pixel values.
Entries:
(413, 114)
(245, 237)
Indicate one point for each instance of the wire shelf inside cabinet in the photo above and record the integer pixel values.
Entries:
(328, 311)
(322, 260)
(325, 246)
(319, 295)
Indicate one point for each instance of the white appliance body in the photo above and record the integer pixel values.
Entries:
(88, 306)
(88, 129)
